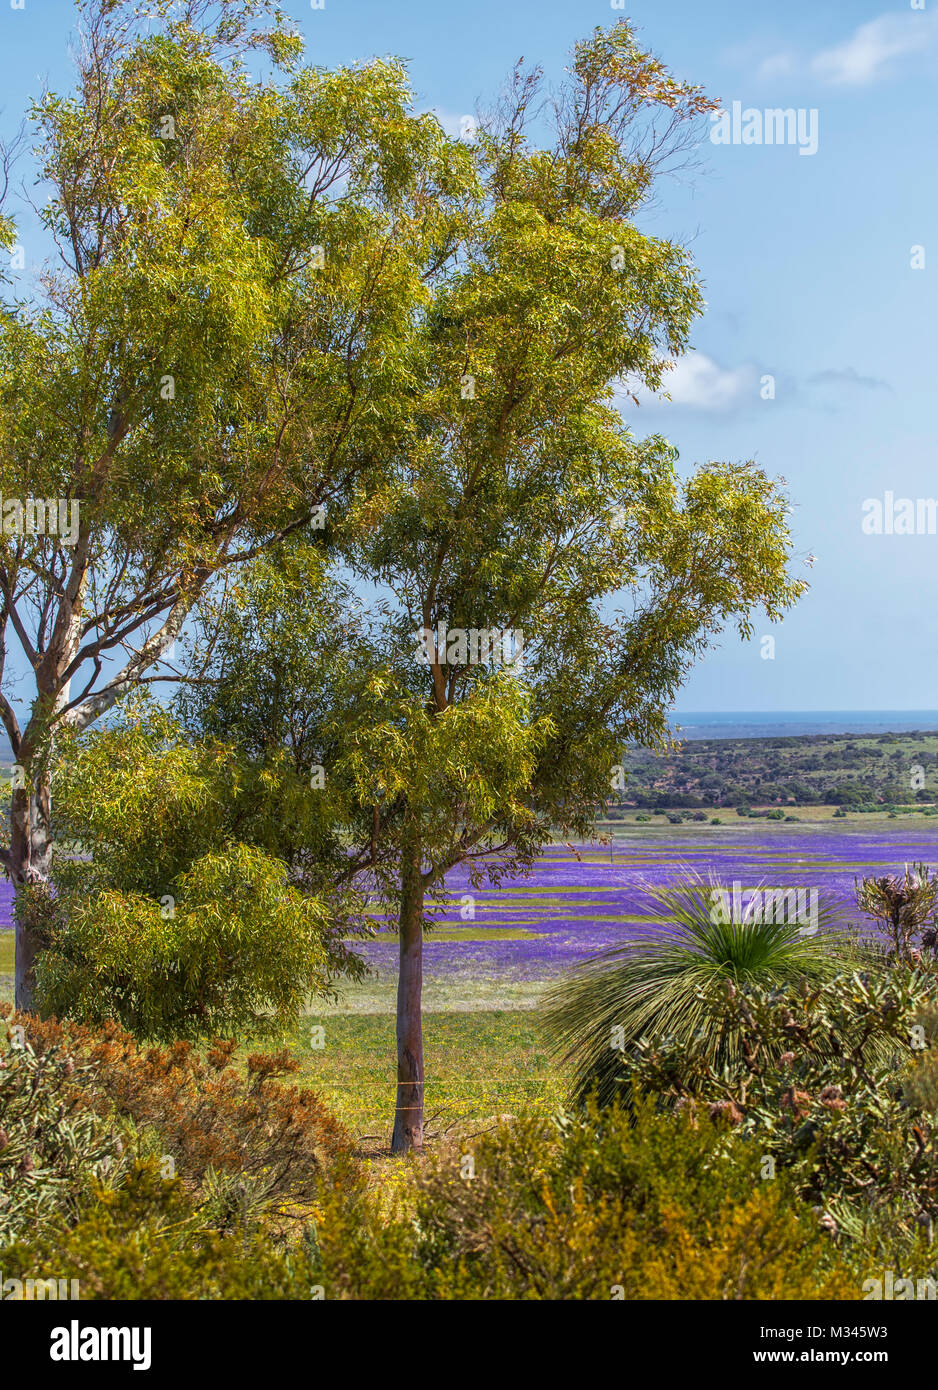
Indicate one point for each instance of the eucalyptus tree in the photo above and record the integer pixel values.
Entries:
(551, 577)
(538, 580)
(208, 358)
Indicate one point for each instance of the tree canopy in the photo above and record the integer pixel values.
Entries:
(538, 579)
(212, 356)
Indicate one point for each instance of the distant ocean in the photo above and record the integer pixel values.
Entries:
(694, 724)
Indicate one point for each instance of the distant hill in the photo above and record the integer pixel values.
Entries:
(826, 769)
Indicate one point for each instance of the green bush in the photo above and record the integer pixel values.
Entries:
(838, 1083)
(595, 1207)
(232, 949)
(206, 901)
(149, 1239)
(595, 1013)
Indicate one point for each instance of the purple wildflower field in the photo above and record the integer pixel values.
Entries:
(579, 901)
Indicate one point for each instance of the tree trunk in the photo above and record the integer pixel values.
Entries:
(408, 1118)
(30, 865)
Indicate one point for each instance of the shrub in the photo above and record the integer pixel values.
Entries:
(234, 948)
(839, 1087)
(594, 1207)
(596, 1012)
(52, 1145)
(275, 1140)
(148, 1239)
(155, 1173)
(207, 902)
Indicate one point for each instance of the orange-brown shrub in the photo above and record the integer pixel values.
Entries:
(208, 1115)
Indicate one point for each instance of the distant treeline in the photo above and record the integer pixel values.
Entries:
(805, 770)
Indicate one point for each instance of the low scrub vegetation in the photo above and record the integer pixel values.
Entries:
(771, 1132)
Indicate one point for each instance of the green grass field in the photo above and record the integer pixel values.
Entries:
(355, 1071)
(6, 965)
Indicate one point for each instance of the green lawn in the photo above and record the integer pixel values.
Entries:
(478, 1065)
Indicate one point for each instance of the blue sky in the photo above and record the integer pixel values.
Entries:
(807, 266)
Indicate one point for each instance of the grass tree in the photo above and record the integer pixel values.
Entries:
(669, 986)
(904, 909)
(208, 358)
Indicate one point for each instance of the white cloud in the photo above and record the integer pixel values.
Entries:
(698, 383)
(868, 54)
(779, 65)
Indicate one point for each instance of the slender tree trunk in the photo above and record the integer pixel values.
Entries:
(408, 1118)
(30, 865)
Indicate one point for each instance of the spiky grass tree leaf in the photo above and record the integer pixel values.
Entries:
(671, 985)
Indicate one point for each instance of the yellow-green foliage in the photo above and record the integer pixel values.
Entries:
(145, 1240)
(586, 1209)
(240, 952)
